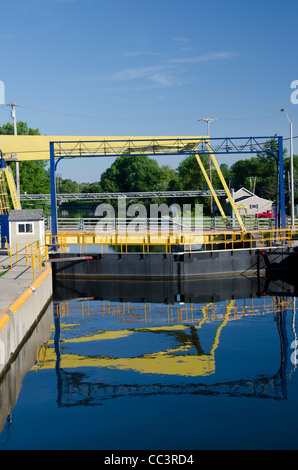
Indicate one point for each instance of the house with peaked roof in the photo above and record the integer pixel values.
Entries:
(249, 204)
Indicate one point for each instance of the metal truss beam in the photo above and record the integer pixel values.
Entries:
(116, 148)
(155, 147)
(130, 195)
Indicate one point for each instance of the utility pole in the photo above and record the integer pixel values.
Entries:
(208, 120)
(13, 115)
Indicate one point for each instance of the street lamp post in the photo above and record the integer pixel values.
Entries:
(292, 169)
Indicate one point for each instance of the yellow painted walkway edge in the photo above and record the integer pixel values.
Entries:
(21, 299)
(3, 319)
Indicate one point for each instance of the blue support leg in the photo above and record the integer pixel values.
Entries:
(281, 196)
(53, 196)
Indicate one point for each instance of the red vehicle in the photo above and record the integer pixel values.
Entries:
(265, 215)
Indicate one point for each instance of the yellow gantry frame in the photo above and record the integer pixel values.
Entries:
(222, 179)
(225, 186)
(35, 147)
(12, 188)
(4, 203)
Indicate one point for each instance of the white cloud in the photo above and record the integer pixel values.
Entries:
(136, 73)
(136, 53)
(165, 80)
(210, 57)
(167, 74)
(181, 39)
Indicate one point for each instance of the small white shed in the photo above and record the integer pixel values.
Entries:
(25, 227)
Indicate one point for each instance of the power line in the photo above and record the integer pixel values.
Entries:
(295, 137)
(113, 118)
(107, 118)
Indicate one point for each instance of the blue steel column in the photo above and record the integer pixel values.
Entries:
(281, 196)
(53, 195)
(2, 162)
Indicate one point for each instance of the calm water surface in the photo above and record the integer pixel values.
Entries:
(144, 375)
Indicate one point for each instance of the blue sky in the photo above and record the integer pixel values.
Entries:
(136, 67)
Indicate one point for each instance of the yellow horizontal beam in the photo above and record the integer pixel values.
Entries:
(36, 147)
(230, 239)
(82, 238)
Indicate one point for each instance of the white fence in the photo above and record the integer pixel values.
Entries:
(146, 224)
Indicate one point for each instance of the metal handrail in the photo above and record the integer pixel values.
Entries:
(86, 223)
(229, 240)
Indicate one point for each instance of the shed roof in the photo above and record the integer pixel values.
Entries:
(26, 215)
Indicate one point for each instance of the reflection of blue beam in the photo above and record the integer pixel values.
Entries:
(284, 350)
(57, 350)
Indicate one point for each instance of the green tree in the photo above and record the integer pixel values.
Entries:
(22, 129)
(191, 178)
(34, 178)
(226, 172)
(262, 168)
(66, 185)
(189, 173)
(130, 173)
(287, 167)
(90, 188)
(167, 178)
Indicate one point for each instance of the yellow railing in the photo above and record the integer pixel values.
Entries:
(12, 254)
(208, 241)
(250, 239)
(38, 255)
(175, 313)
(59, 241)
(34, 254)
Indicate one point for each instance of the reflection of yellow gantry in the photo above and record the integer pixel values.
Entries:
(24, 148)
(177, 360)
(172, 361)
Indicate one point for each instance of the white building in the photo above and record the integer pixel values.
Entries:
(25, 227)
(249, 204)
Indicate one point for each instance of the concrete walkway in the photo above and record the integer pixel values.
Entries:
(14, 281)
(23, 300)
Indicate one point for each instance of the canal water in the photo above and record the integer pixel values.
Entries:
(128, 366)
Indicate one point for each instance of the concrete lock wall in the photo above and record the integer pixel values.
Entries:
(22, 315)
(159, 265)
(11, 381)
